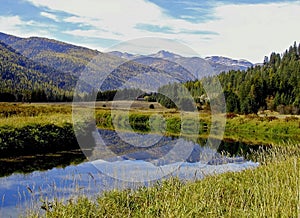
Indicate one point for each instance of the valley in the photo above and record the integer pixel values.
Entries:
(82, 130)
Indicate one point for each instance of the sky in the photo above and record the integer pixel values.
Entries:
(240, 29)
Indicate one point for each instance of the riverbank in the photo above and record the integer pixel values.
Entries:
(34, 129)
(48, 128)
(271, 190)
(252, 129)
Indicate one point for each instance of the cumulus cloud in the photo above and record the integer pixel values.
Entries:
(120, 19)
(252, 31)
(247, 31)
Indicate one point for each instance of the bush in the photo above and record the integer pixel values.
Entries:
(139, 122)
(39, 139)
(231, 115)
(291, 118)
(271, 118)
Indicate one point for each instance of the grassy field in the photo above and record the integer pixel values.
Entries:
(20, 115)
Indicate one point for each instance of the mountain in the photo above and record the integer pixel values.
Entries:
(182, 68)
(224, 64)
(197, 65)
(124, 55)
(64, 57)
(165, 55)
(65, 63)
(18, 74)
(50, 64)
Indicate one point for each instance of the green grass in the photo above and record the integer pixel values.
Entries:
(271, 190)
(30, 129)
(20, 115)
(266, 130)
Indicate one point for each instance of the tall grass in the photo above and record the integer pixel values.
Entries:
(264, 125)
(271, 190)
(20, 115)
(30, 129)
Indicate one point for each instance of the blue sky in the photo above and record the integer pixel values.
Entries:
(240, 29)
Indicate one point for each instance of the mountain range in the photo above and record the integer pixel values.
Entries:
(218, 63)
(56, 67)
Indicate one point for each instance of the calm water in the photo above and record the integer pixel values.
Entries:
(116, 162)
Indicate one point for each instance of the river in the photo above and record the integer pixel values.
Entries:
(28, 181)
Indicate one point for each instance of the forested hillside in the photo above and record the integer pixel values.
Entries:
(71, 61)
(25, 80)
(274, 86)
(63, 57)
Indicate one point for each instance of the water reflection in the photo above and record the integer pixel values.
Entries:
(41, 162)
(122, 151)
(19, 191)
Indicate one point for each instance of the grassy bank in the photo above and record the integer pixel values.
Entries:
(20, 115)
(271, 190)
(251, 129)
(37, 127)
(31, 129)
(171, 123)
(263, 129)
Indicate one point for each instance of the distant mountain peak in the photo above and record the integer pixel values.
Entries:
(124, 55)
(220, 63)
(165, 54)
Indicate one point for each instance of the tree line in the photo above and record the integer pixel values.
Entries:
(273, 85)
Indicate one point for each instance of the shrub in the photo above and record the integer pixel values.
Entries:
(40, 139)
(291, 118)
(271, 118)
(251, 116)
(231, 115)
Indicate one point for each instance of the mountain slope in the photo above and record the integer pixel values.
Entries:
(64, 64)
(72, 60)
(23, 73)
(224, 64)
(182, 68)
(59, 55)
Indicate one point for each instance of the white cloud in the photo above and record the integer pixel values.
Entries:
(118, 17)
(50, 16)
(16, 26)
(245, 31)
(10, 24)
(252, 31)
